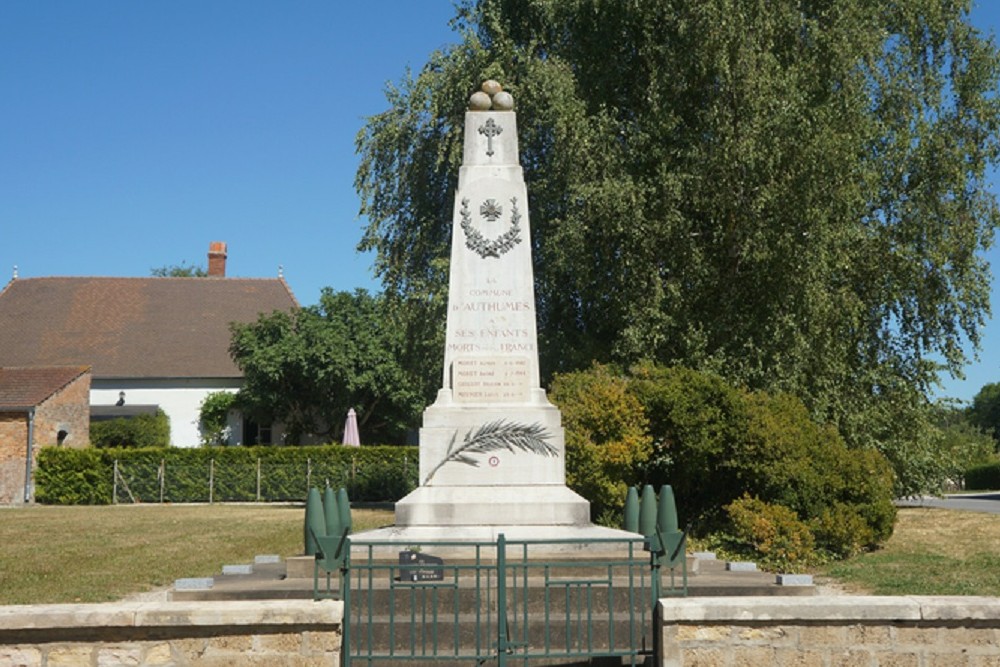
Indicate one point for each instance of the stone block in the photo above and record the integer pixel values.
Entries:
(703, 633)
(159, 654)
(798, 657)
(772, 635)
(753, 656)
(741, 566)
(289, 643)
(320, 642)
(874, 635)
(237, 569)
(851, 658)
(266, 559)
(69, 656)
(704, 555)
(194, 584)
(793, 580)
(119, 656)
(822, 635)
(20, 656)
(705, 657)
(897, 658)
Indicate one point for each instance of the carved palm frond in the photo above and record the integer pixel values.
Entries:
(495, 436)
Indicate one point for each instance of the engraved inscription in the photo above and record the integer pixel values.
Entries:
(490, 379)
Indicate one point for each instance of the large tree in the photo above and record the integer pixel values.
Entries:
(306, 368)
(789, 193)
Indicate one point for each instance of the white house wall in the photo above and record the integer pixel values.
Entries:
(179, 399)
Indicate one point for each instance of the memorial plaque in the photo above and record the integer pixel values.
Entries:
(416, 566)
(501, 379)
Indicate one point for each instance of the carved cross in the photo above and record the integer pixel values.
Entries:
(490, 130)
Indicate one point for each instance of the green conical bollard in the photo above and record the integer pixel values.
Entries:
(331, 511)
(666, 515)
(344, 505)
(314, 520)
(631, 519)
(647, 516)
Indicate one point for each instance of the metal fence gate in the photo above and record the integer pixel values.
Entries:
(517, 602)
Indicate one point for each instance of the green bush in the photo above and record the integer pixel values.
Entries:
(138, 431)
(773, 534)
(984, 477)
(715, 445)
(214, 417)
(607, 441)
(67, 476)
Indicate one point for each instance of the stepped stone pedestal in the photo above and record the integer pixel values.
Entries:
(492, 451)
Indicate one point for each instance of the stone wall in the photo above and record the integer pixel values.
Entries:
(296, 633)
(830, 631)
(66, 411)
(13, 445)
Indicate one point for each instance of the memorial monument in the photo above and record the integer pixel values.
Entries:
(492, 454)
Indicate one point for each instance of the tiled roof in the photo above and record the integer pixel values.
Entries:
(133, 327)
(23, 388)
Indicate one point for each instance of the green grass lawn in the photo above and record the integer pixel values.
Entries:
(931, 552)
(95, 554)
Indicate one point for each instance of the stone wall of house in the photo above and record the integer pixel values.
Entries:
(66, 410)
(830, 631)
(296, 633)
(13, 443)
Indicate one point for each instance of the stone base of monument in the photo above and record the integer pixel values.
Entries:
(482, 506)
(552, 514)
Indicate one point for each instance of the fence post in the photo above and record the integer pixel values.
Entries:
(501, 600)
(114, 484)
(258, 479)
(211, 480)
(163, 477)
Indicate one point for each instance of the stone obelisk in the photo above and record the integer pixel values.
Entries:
(492, 453)
(491, 446)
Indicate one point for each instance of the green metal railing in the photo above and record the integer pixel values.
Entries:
(508, 600)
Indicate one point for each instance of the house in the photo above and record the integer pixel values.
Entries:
(150, 342)
(41, 406)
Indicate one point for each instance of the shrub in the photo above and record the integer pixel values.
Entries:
(983, 477)
(214, 417)
(694, 419)
(607, 444)
(715, 445)
(772, 533)
(138, 431)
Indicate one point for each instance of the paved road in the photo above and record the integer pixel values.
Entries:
(983, 502)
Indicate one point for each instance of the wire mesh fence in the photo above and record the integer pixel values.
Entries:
(260, 481)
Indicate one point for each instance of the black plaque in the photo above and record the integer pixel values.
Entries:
(415, 566)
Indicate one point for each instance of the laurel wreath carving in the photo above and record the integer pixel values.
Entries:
(477, 243)
(495, 436)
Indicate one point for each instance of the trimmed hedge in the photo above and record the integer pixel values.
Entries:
(138, 431)
(984, 477)
(85, 476)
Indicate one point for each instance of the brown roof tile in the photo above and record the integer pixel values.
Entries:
(23, 388)
(132, 327)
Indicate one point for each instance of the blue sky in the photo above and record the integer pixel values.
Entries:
(134, 133)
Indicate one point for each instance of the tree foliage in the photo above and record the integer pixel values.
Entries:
(985, 409)
(182, 270)
(306, 368)
(790, 194)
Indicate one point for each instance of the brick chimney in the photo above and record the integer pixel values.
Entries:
(217, 259)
